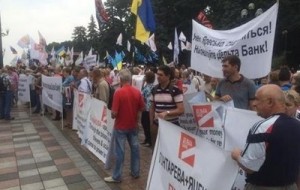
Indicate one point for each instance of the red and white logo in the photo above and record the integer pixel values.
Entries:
(80, 100)
(204, 115)
(187, 149)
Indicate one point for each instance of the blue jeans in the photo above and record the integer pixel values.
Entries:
(5, 104)
(132, 138)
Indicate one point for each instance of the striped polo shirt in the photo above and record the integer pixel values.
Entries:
(166, 99)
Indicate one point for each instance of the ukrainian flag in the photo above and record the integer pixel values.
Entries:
(145, 19)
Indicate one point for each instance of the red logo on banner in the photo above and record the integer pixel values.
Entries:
(204, 115)
(186, 152)
(80, 100)
(104, 115)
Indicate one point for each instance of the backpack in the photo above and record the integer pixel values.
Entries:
(111, 96)
(3, 84)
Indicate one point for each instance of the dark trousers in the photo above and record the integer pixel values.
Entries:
(145, 120)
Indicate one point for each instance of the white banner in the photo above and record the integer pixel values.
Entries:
(184, 161)
(236, 131)
(188, 89)
(81, 113)
(99, 130)
(252, 42)
(23, 88)
(52, 92)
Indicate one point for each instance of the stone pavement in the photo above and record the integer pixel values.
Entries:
(35, 153)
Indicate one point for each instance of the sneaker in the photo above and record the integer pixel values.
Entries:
(111, 180)
(134, 176)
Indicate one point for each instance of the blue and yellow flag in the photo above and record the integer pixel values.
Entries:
(145, 22)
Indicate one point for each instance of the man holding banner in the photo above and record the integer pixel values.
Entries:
(271, 157)
(235, 86)
(127, 104)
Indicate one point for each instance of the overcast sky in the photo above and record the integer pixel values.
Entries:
(55, 19)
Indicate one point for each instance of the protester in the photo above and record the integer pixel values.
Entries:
(235, 86)
(6, 96)
(271, 158)
(146, 92)
(67, 96)
(166, 101)
(85, 84)
(14, 78)
(100, 85)
(127, 103)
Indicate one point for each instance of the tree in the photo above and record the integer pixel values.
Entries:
(80, 39)
(93, 34)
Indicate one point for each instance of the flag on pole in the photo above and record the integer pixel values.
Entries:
(151, 42)
(119, 39)
(42, 40)
(24, 42)
(61, 51)
(176, 48)
(182, 45)
(101, 14)
(182, 37)
(203, 20)
(128, 46)
(170, 46)
(145, 19)
(79, 59)
(13, 50)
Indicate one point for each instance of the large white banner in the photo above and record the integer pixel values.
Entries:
(252, 42)
(52, 92)
(99, 130)
(184, 161)
(23, 88)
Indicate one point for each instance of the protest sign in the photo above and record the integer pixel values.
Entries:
(23, 88)
(184, 161)
(251, 42)
(52, 92)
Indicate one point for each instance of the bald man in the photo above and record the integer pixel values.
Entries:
(271, 157)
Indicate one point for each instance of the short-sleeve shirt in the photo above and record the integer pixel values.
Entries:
(241, 91)
(164, 100)
(127, 102)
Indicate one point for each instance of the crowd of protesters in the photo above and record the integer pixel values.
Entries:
(161, 96)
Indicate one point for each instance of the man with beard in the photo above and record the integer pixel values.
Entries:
(235, 86)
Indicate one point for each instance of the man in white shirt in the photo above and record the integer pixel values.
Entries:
(85, 84)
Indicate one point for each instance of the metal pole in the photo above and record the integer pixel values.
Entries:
(1, 52)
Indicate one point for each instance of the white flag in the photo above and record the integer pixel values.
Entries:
(188, 46)
(151, 42)
(79, 59)
(182, 37)
(170, 46)
(128, 46)
(119, 39)
(90, 52)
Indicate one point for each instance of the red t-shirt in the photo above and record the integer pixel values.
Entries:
(127, 102)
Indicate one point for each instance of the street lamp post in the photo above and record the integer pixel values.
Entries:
(250, 13)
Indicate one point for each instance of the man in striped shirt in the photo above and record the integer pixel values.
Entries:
(166, 100)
